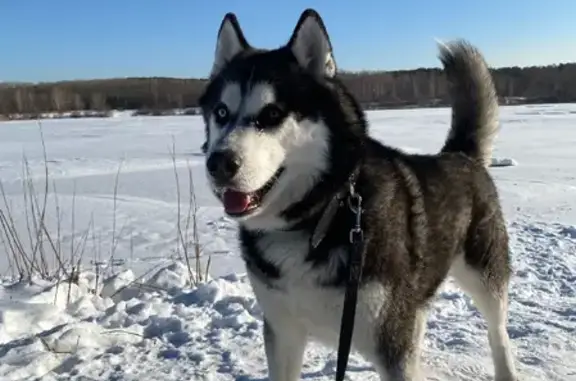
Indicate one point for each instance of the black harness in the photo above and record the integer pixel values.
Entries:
(346, 197)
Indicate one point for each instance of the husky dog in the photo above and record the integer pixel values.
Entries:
(284, 136)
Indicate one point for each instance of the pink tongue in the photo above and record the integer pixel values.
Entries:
(236, 202)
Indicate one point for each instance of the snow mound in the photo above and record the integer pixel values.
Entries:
(503, 162)
(569, 231)
(130, 328)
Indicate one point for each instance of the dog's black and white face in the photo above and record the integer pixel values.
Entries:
(267, 142)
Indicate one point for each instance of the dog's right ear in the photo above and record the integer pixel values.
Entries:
(230, 42)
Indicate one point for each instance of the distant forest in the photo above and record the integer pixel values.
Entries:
(375, 89)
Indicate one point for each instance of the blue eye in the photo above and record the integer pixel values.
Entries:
(221, 114)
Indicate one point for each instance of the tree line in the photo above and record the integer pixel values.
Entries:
(423, 87)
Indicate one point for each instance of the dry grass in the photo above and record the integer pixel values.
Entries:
(188, 240)
(35, 249)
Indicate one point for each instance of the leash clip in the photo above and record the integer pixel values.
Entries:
(355, 205)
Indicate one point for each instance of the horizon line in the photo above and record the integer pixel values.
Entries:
(357, 71)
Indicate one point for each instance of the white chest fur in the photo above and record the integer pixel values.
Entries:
(296, 301)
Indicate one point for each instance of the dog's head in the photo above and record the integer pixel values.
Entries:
(268, 139)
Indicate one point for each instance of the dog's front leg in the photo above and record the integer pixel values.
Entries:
(284, 344)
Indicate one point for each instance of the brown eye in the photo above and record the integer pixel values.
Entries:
(270, 116)
(221, 114)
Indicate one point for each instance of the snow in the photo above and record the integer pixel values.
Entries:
(503, 162)
(133, 314)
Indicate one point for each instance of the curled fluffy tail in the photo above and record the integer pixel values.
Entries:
(474, 101)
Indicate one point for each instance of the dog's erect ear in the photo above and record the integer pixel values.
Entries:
(230, 42)
(311, 45)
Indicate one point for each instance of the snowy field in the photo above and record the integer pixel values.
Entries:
(145, 321)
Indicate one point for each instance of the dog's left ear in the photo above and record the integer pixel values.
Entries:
(311, 45)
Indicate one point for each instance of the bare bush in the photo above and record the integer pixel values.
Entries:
(34, 249)
(188, 238)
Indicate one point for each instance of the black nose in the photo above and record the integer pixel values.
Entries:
(222, 165)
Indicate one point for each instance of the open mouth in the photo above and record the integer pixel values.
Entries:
(239, 204)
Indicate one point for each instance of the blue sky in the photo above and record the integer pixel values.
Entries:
(43, 40)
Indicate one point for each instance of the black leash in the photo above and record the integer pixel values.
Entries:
(355, 264)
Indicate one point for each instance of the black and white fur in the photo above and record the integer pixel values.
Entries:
(426, 217)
